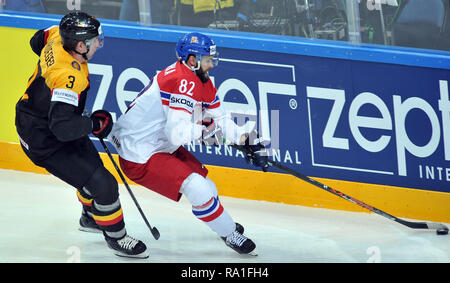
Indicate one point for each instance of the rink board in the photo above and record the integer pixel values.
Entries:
(373, 123)
(281, 188)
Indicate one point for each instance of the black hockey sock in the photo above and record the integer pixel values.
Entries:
(86, 202)
(110, 218)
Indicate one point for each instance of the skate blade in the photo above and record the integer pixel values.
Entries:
(90, 230)
(142, 255)
(252, 253)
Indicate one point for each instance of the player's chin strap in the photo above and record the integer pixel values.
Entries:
(196, 68)
(82, 54)
(193, 69)
(198, 71)
(88, 46)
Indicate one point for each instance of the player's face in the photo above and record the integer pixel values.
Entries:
(96, 43)
(207, 63)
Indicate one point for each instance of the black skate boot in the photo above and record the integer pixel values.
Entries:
(127, 247)
(240, 243)
(87, 224)
(239, 228)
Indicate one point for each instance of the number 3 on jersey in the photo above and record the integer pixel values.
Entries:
(186, 87)
(71, 82)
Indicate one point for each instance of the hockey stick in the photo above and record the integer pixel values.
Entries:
(441, 229)
(153, 230)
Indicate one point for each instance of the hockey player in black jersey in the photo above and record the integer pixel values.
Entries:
(54, 133)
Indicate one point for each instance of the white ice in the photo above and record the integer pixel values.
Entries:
(40, 213)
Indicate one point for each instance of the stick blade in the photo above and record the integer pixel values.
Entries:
(424, 225)
(437, 226)
(155, 233)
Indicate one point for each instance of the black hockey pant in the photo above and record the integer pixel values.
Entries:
(78, 164)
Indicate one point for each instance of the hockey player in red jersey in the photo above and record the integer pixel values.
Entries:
(169, 113)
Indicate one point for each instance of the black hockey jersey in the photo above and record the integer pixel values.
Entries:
(49, 114)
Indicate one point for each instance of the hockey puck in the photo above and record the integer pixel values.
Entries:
(442, 231)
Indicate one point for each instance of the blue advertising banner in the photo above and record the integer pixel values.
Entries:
(351, 120)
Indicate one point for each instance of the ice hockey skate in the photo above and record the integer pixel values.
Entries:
(238, 242)
(128, 247)
(87, 224)
(239, 228)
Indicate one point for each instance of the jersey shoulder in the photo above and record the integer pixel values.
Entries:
(209, 93)
(178, 79)
(52, 33)
(60, 69)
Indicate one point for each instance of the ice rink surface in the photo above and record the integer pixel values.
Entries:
(39, 223)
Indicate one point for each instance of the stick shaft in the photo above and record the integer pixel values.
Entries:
(414, 225)
(153, 230)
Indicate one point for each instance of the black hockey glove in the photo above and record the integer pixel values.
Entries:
(256, 153)
(102, 123)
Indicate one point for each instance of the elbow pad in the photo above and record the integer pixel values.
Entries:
(37, 42)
